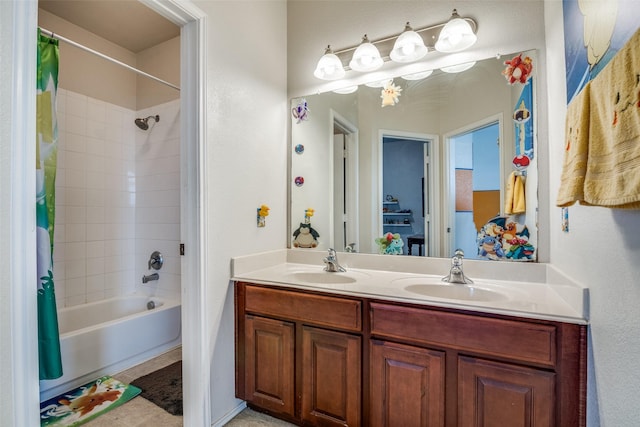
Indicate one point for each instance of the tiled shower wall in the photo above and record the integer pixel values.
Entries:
(102, 200)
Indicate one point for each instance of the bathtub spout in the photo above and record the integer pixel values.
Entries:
(154, 276)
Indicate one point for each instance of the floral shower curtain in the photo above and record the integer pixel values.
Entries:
(46, 159)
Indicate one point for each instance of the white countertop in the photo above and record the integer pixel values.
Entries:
(545, 293)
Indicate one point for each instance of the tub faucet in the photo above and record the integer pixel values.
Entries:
(150, 277)
(332, 262)
(456, 275)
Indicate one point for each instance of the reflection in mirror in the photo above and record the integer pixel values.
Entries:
(435, 168)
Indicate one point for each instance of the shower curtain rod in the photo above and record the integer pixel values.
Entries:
(108, 58)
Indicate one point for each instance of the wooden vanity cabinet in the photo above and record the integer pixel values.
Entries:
(298, 355)
(495, 370)
(314, 359)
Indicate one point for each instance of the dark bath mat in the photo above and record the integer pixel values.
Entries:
(163, 387)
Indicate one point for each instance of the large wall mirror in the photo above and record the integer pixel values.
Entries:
(439, 168)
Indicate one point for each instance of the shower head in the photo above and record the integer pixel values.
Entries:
(144, 123)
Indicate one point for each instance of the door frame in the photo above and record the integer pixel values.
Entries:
(23, 318)
(449, 179)
(433, 186)
(351, 138)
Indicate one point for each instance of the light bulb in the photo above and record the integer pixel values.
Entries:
(366, 57)
(408, 47)
(329, 66)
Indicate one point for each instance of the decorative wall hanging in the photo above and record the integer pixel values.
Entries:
(523, 123)
(593, 32)
(305, 236)
(299, 181)
(390, 94)
(502, 238)
(263, 212)
(518, 69)
(301, 111)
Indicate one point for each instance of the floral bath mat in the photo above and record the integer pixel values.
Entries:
(85, 403)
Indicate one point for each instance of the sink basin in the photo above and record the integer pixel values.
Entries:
(321, 277)
(454, 291)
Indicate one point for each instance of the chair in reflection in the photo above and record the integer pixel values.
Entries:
(416, 239)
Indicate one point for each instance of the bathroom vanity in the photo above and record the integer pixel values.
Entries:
(324, 350)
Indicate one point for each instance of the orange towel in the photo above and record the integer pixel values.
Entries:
(613, 166)
(574, 167)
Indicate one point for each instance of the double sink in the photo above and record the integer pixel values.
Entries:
(428, 286)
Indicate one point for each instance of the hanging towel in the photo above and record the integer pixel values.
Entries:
(576, 149)
(613, 165)
(514, 200)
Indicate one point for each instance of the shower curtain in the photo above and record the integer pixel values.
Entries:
(46, 159)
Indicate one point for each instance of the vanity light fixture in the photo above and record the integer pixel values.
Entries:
(456, 35)
(458, 68)
(408, 47)
(329, 66)
(418, 76)
(366, 57)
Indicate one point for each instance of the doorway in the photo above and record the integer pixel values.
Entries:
(345, 185)
(193, 54)
(475, 178)
(407, 191)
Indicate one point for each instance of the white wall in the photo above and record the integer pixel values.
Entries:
(601, 250)
(246, 162)
(315, 165)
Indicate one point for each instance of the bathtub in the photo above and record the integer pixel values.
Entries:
(106, 337)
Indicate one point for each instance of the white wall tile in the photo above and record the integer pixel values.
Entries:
(102, 199)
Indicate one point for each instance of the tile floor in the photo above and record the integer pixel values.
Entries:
(139, 412)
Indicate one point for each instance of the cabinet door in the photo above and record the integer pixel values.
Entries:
(492, 394)
(331, 387)
(407, 386)
(269, 364)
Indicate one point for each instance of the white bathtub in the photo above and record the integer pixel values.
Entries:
(106, 337)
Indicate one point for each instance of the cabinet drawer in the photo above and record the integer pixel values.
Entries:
(523, 341)
(313, 309)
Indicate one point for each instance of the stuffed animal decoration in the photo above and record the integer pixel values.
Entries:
(301, 111)
(308, 213)
(502, 238)
(390, 94)
(305, 236)
(390, 244)
(518, 69)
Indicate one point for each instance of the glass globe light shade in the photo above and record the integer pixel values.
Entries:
(408, 47)
(329, 66)
(366, 57)
(456, 35)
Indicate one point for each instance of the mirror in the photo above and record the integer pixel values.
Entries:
(434, 168)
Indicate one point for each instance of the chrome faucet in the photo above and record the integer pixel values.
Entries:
(333, 266)
(456, 275)
(150, 277)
